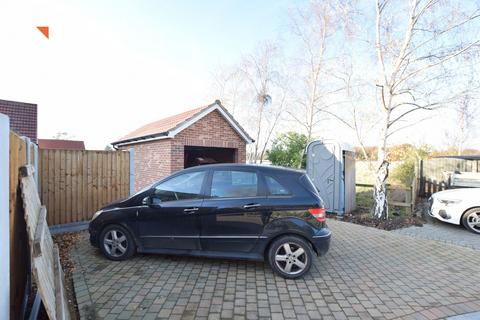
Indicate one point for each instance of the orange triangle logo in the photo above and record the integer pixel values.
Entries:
(45, 31)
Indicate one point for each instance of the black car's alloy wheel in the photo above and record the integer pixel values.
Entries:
(116, 243)
(290, 257)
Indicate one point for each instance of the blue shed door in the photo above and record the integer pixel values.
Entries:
(323, 168)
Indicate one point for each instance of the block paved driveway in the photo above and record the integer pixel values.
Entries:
(444, 232)
(368, 274)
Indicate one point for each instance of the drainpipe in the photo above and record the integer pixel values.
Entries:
(132, 170)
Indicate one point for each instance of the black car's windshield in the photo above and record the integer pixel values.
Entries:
(144, 189)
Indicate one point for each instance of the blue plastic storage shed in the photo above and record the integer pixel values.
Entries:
(331, 166)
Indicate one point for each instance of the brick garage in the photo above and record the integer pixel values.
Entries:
(203, 135)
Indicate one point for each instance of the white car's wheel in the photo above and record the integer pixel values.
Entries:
(471, 220)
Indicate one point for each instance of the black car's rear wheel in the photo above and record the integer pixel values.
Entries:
(290, 257)
(116, 243)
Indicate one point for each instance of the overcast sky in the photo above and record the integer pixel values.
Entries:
(111, 66)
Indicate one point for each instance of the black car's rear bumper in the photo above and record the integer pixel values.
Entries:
(321, 241)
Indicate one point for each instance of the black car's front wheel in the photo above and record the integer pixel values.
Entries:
(290, 256)
(116, 243)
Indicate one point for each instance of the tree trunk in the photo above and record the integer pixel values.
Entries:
(302, 153)
(380, 209)
(259, 128)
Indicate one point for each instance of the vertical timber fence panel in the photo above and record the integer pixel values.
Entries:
(75, 184)
(20, 154)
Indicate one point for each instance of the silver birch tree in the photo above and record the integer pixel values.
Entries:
(419, 50)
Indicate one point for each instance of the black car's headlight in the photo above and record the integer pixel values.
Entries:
(97, 214)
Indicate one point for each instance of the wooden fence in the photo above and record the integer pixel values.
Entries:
(75, 184)
(45, 260)
(433, 173)
(19, 251)
(399, 196)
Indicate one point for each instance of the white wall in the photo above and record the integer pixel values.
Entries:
(4, 219)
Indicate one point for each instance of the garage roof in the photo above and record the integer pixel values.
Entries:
(61, 144)
(169, 127)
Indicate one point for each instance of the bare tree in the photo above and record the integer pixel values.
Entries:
(354, 98)
(227, 86)
(316, 27)
(465, 124)
(275, 116)
(62, 136)
(419, 50)
(260, 73)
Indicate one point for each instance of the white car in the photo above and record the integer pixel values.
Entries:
(457, 206)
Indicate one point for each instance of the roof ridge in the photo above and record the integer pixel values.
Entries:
(165, 126)
(137, 133)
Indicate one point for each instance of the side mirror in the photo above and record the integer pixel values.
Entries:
(151, 202)
(147, 201)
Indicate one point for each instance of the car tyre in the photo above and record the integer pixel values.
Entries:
(471, 220)
(116, 243)
(290, 256)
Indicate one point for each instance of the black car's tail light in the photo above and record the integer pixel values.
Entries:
(318, 213)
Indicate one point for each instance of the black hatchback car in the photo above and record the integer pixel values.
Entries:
(221, 210)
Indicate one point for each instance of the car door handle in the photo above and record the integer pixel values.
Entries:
(251, 206)
(190, 210)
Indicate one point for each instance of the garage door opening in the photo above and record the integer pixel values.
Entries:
(196, 156)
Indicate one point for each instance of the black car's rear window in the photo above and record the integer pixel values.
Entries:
(275, 187)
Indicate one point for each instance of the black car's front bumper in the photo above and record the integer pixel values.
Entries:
(321, 241)
(93, 235)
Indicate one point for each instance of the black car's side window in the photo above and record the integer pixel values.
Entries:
(234, 184)
(275, 188)
(183, 187)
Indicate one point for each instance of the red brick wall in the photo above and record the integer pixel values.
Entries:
(157, 159)
(152, 160)
(211, 131)
(23, 117)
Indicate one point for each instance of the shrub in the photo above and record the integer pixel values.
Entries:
(287, 150)
(404, 172)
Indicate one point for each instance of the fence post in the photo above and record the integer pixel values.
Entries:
(32, 158)
(27, 147)
(413, 193)
(132, 170)
(35, 164)
(408, 199)
(422, 180)
(4, 217)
